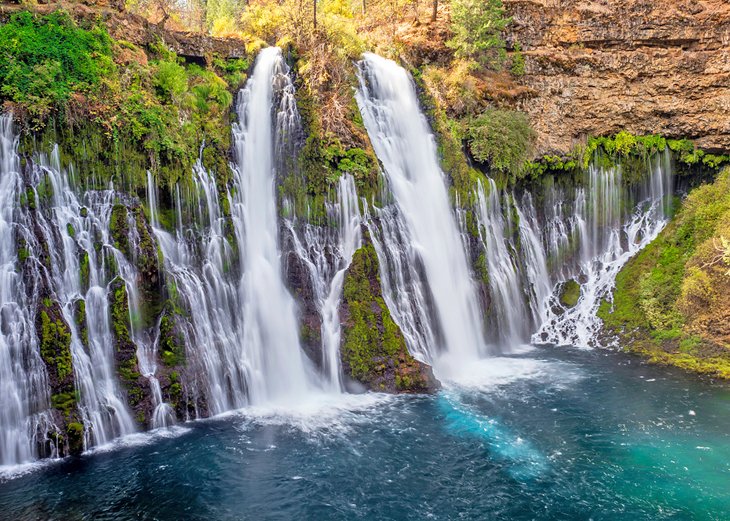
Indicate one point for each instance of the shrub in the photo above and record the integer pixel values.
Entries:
(171, 80)
(502, 138)
(518, 61)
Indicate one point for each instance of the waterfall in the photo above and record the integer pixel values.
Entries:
(76, 233)
(612, 224)
(511, 322)
(270, 331)
(327, 252)
(198, 263)
(407, 150)
(24, 398)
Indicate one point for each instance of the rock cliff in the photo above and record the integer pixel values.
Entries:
(646, 66)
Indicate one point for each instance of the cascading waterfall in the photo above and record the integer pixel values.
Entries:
(404, 289)
(613, 224)
(327, 253)
(74, 231)
(588, 234)
(405, 146)
(199, 264)
(235, 313)
(508, 300)
(270, 331)
(24, 398)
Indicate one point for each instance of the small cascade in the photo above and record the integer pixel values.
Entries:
(25, 420)
(534, 262)
(511, 320)
(198, 261)
(327, 253)
(270, 331)
(146, 341)
(613, 223)
(80, 245)
(404, 290)
(404, 144)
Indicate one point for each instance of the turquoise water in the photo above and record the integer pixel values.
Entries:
(549, 434)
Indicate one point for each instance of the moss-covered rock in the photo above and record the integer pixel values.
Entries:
(54, 336)
(569, 293)
(671, 302)
(373, 349)
(125, 353)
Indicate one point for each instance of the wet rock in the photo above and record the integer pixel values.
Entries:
(373, 349)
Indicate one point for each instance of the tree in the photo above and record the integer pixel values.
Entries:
(435, 10)
(477, 27)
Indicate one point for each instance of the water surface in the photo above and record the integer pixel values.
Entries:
(547, 434)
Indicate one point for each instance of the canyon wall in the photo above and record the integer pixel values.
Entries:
(646, 66)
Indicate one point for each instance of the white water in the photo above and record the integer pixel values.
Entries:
(270, 331)
(83, 230)
(327, 253)
(24, 398)
(404, 144)
(612, 226)
(511, 319)
(198, 263)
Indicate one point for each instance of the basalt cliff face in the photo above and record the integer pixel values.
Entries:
(646, 66)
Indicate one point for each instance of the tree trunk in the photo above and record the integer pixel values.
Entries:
(435, 10)
(314, 4)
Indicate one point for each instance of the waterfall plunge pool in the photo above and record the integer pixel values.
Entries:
(547, 434)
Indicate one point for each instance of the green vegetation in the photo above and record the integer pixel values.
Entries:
(517, 67)
(125, 349)
(477, 26)
(75, 436)
(670, 299)
(116, 110)
(501, 138)
(570, 293)
(55, 339)
(47, 60)
(374, 350)
(171, 344)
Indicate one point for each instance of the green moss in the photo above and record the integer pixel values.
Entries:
(324, 158)
(56, 345)
(75, 437)
(373, 349)
(65, 402)
(119, 229)
(171, 344)
(84, 270)
(649, 310)
(80, 319)
(125, 349)
(570, 293)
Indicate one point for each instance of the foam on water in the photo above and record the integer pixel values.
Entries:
(138, 439)
(321, 414)
(492, 374)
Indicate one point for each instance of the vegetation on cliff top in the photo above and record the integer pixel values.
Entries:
(114, 107)
(672, 301)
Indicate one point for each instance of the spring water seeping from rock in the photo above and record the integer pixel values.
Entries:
(611, 222)
(25, 420)
(327, 251)
(405, 145)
